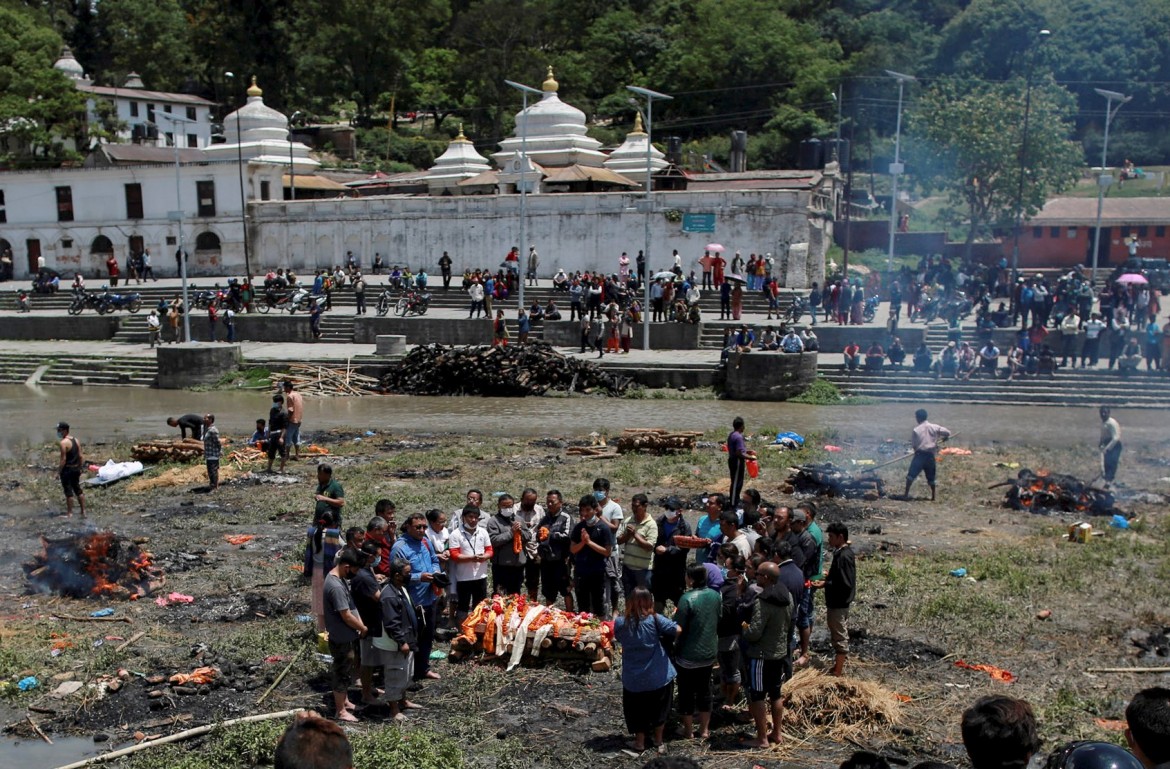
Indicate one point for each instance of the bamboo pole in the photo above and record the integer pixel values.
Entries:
(1128, 670)
(122, 646)
(178, 737)
(37, 729)
(280, 677)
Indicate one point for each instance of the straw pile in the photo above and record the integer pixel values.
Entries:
(838, 708)
(190, 475)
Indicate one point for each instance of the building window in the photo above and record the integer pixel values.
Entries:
(134, 201)
(1054, 232)
(133, 109)
(1037, 232)
(1159, 231)
(167, 108)
(66, 243)
(3, 209)
(170, 139)
(265, 190)
(64, 204)
(193, 140)
(150, 112)
(1143, 231)
(171, 240)
(191, 113)
(205, 192)
(1072, 232)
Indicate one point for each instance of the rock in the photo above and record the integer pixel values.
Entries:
(184, 690)
(1044, 614)
(123, 673)
(67, 688)
(140, 540)
(139, 736)
(101, 737)
(66, 676)
(154, 680)
(113, 686)
(154, 694)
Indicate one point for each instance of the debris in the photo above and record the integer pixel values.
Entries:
(324, 380)
(955, 451)
(198, 676)
(1112, 725)
(656, 440)
(107, 612)
(832, 448)
(238, 539)
(37, 729)
(830, 480)
(280, 677)
(28, 684)
(1128, 670)
(960, 572)
(1044, 614)
(999, 674)
(66, 688)
(174, 598)
(1119, 522)
(1041, 492)
(513, 371)
(839, 708)
(92, 564)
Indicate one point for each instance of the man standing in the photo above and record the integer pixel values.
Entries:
(668, 571)
(611, 514)
(229, 324)
(767, 639)
(1110, 444)
(359, 294)
(591, 543)
(529, 513)
(1091, 349)
(445, 270)
(330, 495)
(295, 403)
(737, 457)
(424, 565)
(553, 533)
(840, 587)
(69, 469)
(344, 626)
(192, 422)
(924, 441)
(153, 327)
(638, 538)
(509, 537)
(211, 450)
(212, 318)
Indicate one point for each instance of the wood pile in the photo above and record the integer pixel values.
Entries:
(510, 627)
(246, 455)
(828, 480)
(514, 371)
(1042, 492)
(182, 450)
(591, 451)
(655, 440)
(327, 380)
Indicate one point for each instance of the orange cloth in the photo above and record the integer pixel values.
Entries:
(999, 674)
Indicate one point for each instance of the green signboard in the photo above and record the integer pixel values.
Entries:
(698, 223)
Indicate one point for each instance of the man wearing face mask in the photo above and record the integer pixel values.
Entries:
(553, 548)
(69, 469)
(509, 536)
(611, 514)
(345, 626)
(668, 572)
(366, 587)
(591, 544)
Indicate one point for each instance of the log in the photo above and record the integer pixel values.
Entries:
(178, 737)
(132, 639)
(92, 619)
(1128, 670)
(603, 665)
(37, 729)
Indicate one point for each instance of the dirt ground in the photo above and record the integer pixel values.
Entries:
(911, 623)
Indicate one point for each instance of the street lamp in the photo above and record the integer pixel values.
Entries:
(177, 217)
(651, 96)
(524, 91)
(243, 200)
(895, 167)
(292, 171)
(1106, 177)
(1023, 161)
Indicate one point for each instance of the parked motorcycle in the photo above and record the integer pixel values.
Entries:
(385, 301)
(84, 300)
(414, 303)
(869, 310)
(797, 309)
(110, 302)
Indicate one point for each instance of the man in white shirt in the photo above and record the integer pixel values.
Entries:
(924, 441)
(1091, 349)
(1069, 327)
(611, 513)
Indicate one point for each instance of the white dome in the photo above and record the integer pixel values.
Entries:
(459, 162)
(629, 160)
(69, 65)
(553, 133)
(256, 132)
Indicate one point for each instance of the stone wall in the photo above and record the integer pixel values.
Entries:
(570, 230)
(367, 329)
(769, 376)
(184, 365)
(80, 327)
(663, 336)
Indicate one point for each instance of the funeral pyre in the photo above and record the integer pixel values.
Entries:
(511, 627)
(1043, 492)
(93, 564)
(828, 480)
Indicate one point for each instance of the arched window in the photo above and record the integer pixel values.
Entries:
(102, 245)
(207, 241)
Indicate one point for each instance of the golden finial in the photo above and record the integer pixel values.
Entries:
(461, 137)
(550, 83)
(638, 129)
(254, 90)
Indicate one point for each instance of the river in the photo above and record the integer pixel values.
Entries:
(105, 414)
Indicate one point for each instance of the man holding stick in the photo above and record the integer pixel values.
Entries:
(924, 441)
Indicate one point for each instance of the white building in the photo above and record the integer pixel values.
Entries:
(124, 198)
(147, 117)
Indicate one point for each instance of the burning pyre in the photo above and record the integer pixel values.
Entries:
(92, 564)
(1043, 492)
(828, 480)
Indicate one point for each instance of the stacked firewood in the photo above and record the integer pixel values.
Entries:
(512, 371)
(184, 450)
(327, 380)
(831, 481)
(510, 627)
(655, 440)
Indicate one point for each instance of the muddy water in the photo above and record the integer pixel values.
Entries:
(34, 754)
(100, 414)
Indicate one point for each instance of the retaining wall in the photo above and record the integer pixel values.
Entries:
(79, 327)
(769, 376)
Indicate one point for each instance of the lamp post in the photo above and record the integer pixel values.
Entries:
(243, 200)
(651, 97)
(1023, 162)
(177, 217)
(895, 167)
(1106, 177)
(524, 91)
(292, 171)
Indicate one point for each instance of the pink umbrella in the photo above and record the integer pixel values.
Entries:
(1132, 277)
(715, 248)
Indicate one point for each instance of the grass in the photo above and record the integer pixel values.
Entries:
(252, 378)
(822, 392)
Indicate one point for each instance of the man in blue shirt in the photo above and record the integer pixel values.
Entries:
(424, 565)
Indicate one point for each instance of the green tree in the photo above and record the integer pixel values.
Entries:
(967, 142)
(39, 106)
(149, 37)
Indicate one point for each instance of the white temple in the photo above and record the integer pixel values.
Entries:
(458, 163)
(260, 134)
(629, 160)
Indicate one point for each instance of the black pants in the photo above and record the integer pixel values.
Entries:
(736, 467)
(446, 280)
(646, 711)
(532, 576)
(360, 300)
(426, 640)
(591, 593)
(923, 462)
(554, 579)
(213, 473)
(694, 690)
(507, 580)
(470, 594)
(1110, 460)
(575, 311)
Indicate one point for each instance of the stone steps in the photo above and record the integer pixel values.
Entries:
(141, 372)
(16, 369)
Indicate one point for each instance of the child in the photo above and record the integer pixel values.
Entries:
(259, 438)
